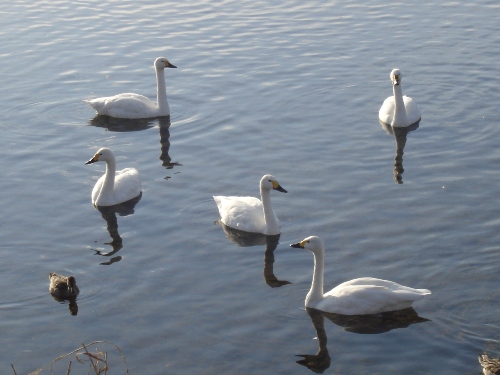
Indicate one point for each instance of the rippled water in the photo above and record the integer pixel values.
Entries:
(288, 88)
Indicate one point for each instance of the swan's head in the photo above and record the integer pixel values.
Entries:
(396, 76)
(313, 243)
(103, 154)
(269, 182)
(162, 63)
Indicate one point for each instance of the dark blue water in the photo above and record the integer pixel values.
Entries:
(261, 87)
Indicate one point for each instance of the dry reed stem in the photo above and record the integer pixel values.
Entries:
(100, 357)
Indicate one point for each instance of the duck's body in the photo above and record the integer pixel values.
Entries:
(114, 187)
(63, 286)
(250, 214)
(399, 110)
(362, 296)
(491, 366)
(134, 106)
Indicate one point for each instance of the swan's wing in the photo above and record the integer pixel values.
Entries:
(243, 213)
(369, 296)
(386, 112)
(412, 111)
(127, 185)
(127, 105)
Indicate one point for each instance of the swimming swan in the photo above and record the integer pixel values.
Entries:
(114, 186)
(130, 105)
(250, 214)
(361, 296)
(62, 286)
(401, 112)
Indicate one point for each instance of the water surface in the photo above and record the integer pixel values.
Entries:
(291, 89)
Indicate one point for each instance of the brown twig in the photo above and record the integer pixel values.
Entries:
(36, 372)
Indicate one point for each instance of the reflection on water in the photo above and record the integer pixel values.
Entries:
(401, 135)
(120, 124)
(129, 125)
(164, 125)
(108, 213)
(73, 306)
(362, 324)
(271, 279)
(247, 239)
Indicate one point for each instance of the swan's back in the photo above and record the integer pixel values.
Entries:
(127, 186)
(127, 105)
(242, 213)
(369, 295)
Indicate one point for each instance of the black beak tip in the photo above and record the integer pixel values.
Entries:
(172, 66)
(280, 189)
(296, 245)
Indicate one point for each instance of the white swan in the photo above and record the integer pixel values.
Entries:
(114, 186)
(250, 214)
(399, 110)
(361, 296)
(130, 105)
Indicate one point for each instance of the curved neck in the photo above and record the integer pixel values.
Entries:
(161, 93)
(108, 185)
(316, 292)
(272, 223)
(399, 118)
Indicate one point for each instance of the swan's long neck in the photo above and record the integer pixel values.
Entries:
(108, 186)
(272, 223)
(400, 118)
(316, 292)
(161, 93)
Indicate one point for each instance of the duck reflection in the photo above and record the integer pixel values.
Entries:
(362, 324)
(401, 136)
(247, 239)
(108, 213)
(72, 305)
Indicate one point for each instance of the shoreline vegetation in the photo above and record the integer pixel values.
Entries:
(97, 361)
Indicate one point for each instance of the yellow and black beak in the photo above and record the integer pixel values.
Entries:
(277, 186)
(397, 79)
(94, 159)
(298, 245)
(169, 65)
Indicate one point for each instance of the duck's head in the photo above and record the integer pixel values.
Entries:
(103, 154)
(396, 77)
(162, 63)
(269, 182)
(312, 243)
(71, 284)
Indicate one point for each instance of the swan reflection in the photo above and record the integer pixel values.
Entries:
(130, 125)
(164, 125)
(247, 239)
(362, 324)
(121, 124)
(108, 213)
(401, 135)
